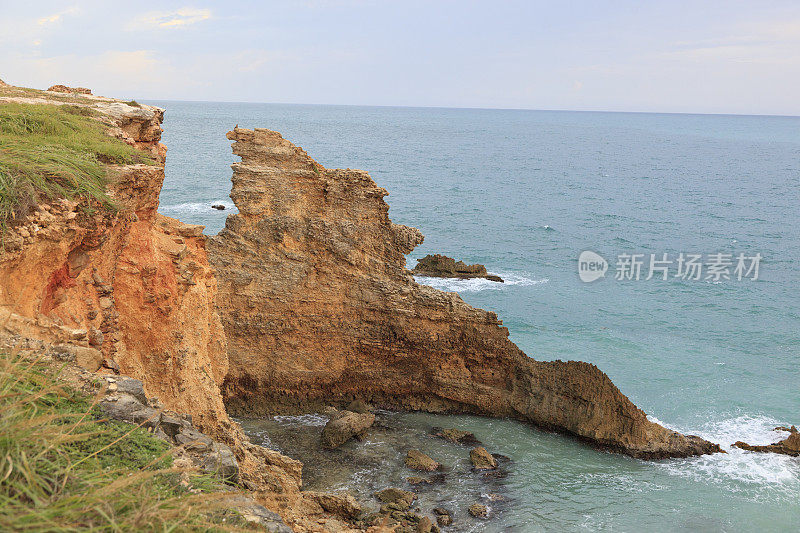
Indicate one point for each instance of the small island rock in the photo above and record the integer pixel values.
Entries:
(417, 460)
(345, 425)
(441, 266)
(482, 459)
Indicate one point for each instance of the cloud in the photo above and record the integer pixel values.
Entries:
(54, 18)
(171, 19)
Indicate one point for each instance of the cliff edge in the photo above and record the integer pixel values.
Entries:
(318, 307)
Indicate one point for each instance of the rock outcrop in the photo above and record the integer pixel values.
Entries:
(481, 459)
(318, 307)
(441, 266)
(66, 89)
(788, 446)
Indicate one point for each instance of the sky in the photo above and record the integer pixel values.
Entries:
(659, 56)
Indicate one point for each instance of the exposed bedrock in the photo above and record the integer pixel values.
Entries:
(318, 307)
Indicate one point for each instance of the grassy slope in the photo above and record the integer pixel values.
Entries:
(51, 151)
(63, 469)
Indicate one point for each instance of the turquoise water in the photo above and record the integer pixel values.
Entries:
(524, 192)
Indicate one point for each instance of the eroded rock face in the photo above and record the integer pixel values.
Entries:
(318, 306)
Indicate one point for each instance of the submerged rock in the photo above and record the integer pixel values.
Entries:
(398, 496)
(456, 436)
(482, 459)
(345, 425)
(443, 516)
(441, 266)
(478, 510)
(788, 446)
(417, 460)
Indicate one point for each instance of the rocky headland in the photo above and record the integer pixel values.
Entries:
(302, 302)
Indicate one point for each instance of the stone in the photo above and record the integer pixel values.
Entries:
(417, 460)
(254, 513)
(345, 425)
(415, 480)
(134, 387)
(193, 440)
(441, 266)
(359, 406)
(424, 525)
(95, 337)
(398, 496)
(364, 324)
(482, 459)
(443, 516)
(478, 510)
(221, 461)
(343, 505)
(456, 436)
(218, 207)
(128, 409)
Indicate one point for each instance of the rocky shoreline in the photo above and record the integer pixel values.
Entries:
(302, 302)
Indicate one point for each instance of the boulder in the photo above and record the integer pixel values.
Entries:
(398, 496)
(218, 207)
(417, 460)
(425, 525)
(128, 409)
(478, 510)
(345, 425)
(443, 516)
(193, 440)
(441, 266)
(342, 505)
(456, 436)
(482, 459)
(222, 462)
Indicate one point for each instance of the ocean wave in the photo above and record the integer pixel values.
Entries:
(313, 419)
(195, 207)
(779, 473)
(479, 284)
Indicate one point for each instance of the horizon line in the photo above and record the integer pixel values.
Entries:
(475, 108)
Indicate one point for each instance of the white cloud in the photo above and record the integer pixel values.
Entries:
(55, 17)
(171, 19)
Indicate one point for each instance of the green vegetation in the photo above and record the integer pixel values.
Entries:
(63, 469)
(134, 103)
(51, 151)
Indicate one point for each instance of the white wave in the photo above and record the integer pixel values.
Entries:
(313, 420)
(195, 207)
(479, 284)
(756, 470)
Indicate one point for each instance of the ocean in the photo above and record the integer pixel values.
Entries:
(524, 193)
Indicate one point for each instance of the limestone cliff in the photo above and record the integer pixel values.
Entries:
(131, 291)
(318, 307)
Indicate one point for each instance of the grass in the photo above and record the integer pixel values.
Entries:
(62, 469)
(55, 151)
